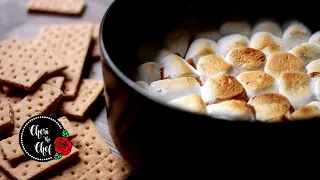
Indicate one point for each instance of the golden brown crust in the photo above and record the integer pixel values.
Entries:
(294, 83)
(281, 61)
(247, 58)
(227, 87)
(271, 107)
(256, 80)
(175, 67)
(304, 51)
(304, 113)
(266, 42)
(192, 103)
(212, 64)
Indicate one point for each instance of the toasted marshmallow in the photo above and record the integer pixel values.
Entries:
(174, 67)
(268, 26)
(235, 27)
(310, 111)
(200, 47)
(230, 42)
(295, 34)
(257, 82)
(281, 62)
(296, 87)
(267, 43)
(161, 54)
(192, 103)
(177, 41)
(213, 35)
(213, 65)
(271, 107)
(222, 88)
(247, 59)
(231, 110)
(170, 89)
(143, 85)
(306, 52)
(315, 38)
(313, 68)
(148, 72)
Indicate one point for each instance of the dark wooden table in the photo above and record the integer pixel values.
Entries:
(15, 20)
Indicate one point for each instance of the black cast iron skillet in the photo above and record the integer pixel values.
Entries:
(158, 140)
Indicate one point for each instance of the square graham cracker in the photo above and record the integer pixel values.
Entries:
(38, 103)
(112, 167)
(6, 115)
(17, 69)
(90, 154)
(87, 129)
(89, 91)
(70, 7)
(74, 49)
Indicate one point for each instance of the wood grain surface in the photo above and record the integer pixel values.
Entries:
(15, 20)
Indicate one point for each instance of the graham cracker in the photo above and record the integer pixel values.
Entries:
(38, 103)
(95, 35)
(16, 69)
(52, 35)
(41, 54)
(87, 129)
(89, 91)
(31, 169)
(111, 167)
(68, 126)
(6, 115)
(91, 153)
(74, 49)
(56, 82)
(72, 7)
(96, 52)
(8, 89)
(11, 147)
(3, 176)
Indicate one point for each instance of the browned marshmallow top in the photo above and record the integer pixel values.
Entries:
(256, 80)
(281, 62)
(247, 58)
(271, 107)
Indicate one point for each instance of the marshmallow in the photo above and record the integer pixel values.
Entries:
(281, 62)
(310, 111)
(213, 35)
(148, 72)
(268, 26)
(296, 87)
(231, 110)
(306, 52)
(316, 89)
(161, 54)
(271, 107)
(257, 82)
(296, 33)
(313, 68)
(192, 103)
(267, 43)
(246, 59)
(213, 65)
(230, 42)
(200, 47)
(222, 88)
(170, 89)
(235, 27)
(143, 85)
(315, 38)
(174, 67)
(177, 41)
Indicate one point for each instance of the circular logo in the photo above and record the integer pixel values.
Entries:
(43, 138)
